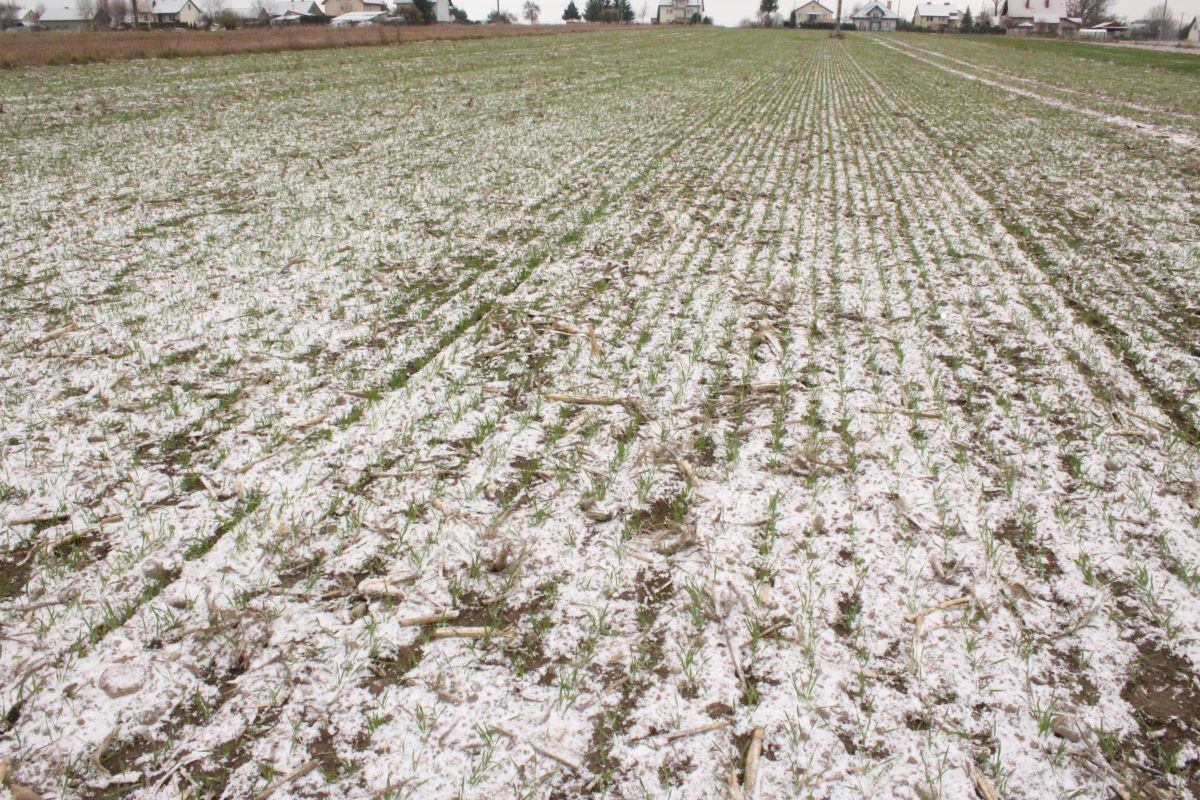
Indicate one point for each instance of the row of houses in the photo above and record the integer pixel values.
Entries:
(83, 15)
(873, 16)
(1019, 17)
(876, 16)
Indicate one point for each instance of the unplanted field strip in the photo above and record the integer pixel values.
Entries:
(1176, 137)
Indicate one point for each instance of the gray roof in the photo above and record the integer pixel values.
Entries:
(62, 11)
(863, 12)
(936, 10)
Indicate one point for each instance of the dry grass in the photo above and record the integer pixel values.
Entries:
(64, 47)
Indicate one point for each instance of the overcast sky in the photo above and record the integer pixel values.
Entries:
(729, 12)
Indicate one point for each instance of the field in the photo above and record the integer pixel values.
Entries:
(671, 414)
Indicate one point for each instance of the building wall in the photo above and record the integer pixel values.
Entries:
(1020, 10)
(825, 15)
(335, 8)
(935, 23)
(191, 16)
(678, 11)
(69, 25)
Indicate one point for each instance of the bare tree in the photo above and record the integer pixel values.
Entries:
(1092, 12)
(212, 10)
(1163, 24)
(86, 9)
(8, 15)
(645, 9)
(531, 11)
(262, 10)
(103, 15)
(118, 12)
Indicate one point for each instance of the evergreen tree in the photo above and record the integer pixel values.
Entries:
(966, 24)
(427, 11)
(571, 13)
(625, 10)
(593, 10)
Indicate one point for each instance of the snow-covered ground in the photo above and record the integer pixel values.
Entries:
(674, 414)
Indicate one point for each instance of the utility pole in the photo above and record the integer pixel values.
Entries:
(836, 33)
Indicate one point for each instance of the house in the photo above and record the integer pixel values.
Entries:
(1044, 17)
(66, 15)
(353, 19)
(936, 16)
(295, 13)
(336, 8)
(679, 11)
(875, 17)
(172, 12)
(1105, 30)
(811, 13)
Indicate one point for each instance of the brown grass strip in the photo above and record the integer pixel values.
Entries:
(67, 47)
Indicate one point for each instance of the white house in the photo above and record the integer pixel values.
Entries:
(679, 11)
(294, 12)
(875, 17)
(1047, 17)
(936, 16)
(338, 8)
(62, 15)
(172, 12)
(812, 12)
